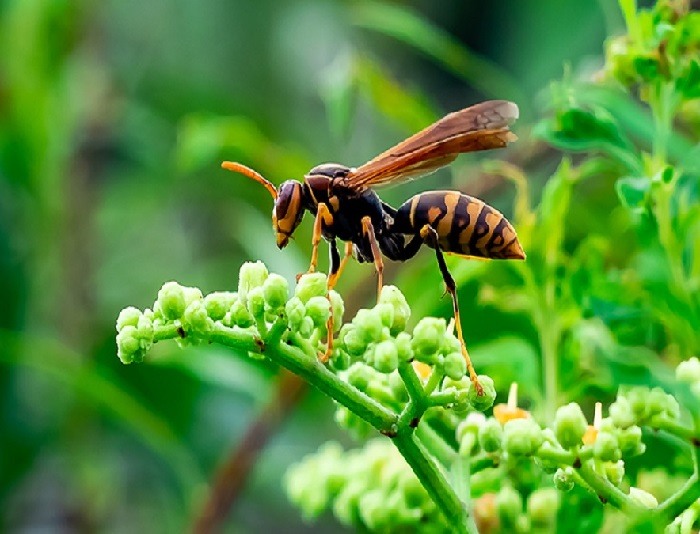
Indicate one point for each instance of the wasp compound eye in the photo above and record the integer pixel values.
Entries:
(288, 211)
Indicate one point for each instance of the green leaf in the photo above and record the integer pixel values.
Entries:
(633, 191)
(689, 84)
(577, 129)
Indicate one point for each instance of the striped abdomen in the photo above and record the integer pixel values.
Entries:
(465, 225)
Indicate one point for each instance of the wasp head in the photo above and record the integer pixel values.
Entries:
(288, 211)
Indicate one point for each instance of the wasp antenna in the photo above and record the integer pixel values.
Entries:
(250, 173)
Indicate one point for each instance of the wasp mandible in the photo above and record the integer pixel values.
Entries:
(346, 208)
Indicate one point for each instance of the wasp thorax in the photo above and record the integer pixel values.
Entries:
(288, 211)
(331, 170)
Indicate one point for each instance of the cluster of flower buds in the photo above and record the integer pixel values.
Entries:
(507, 511)
(661, 44)
(261, 299)
(369, 489)
(367, 353)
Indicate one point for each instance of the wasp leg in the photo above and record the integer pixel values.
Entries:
(430, 236)
(368, 232)
(337, 266)
(336, 269)
(323, 216)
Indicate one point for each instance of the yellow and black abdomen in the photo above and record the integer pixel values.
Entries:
(465, 225)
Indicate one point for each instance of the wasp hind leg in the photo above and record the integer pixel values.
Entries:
(430, 236)
(368, 232)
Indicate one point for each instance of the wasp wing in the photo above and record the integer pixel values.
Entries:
(479, 127)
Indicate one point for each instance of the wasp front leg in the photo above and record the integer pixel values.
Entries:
(368, 232)
(323, 216)
(430, 236)
(336, 268)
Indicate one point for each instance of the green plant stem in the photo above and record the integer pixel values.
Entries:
(685, 496)
(304, 362)
(680, 431)
(416, 405)
(435, 483)
(607, 491)
(439, 448)
(306, 365)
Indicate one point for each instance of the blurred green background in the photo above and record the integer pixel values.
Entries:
(114, 117)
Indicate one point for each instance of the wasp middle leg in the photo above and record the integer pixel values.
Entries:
(368, 232)
(336, 269)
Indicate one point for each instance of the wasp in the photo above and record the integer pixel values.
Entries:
(346, 208)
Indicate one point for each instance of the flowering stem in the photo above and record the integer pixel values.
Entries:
(435, 483)
(687, 495)
(606, 491)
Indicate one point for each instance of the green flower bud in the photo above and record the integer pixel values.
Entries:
(491, 435)
(256, 302)
(450, 344)
(240, 316)
(128, 344)
(398, 387)
(485, 401)
(427, 339)
(192, 294)
(542, 506)
(252, 274)
(386, 314)
(306, 328)
(275, 291)
(379, 391)
(521, 437)
(311, 285)
(637, 399)
(621, 413)
(547, 455)
(663, 406)
(144, 330)
(570, 425)
(360, 375)
(454, 366)
(128, 317)
(340, 360)
(630, 441)
(644, 498)
(295, 311)
(615, 472)
(606, 447)
(509, 505)
(318, 308)
(385, 357)
(218, 303)
(368, 326)
(687, 371)
(171, 300)
(195, 317)
(392, 296)
(354, 342)
(470, 425)
(338, 307)
(403, 346)
(564, 479)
